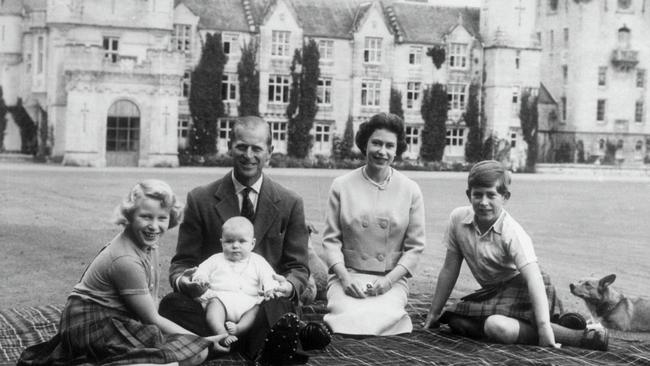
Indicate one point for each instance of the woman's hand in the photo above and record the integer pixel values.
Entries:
(190, 288)
(380, 286)
(432, 321)
(352, 288)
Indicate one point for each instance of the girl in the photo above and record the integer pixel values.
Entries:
(111, 315)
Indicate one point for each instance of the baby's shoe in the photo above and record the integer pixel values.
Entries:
(281, 343)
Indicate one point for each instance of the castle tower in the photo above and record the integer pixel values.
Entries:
(512, 60)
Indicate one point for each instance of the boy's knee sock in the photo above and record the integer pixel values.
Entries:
(596, 339)
(566, 336)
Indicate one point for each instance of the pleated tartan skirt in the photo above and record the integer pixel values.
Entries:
(91, 334)
(510, 299)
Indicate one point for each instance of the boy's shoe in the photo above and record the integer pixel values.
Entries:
(572, 321)
(281, 344)
(314, 335)
(595, 338)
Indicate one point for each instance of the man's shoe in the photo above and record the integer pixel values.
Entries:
(281, 343)
(314, 335)
(596, 339)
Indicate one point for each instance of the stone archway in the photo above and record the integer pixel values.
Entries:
(122, 134)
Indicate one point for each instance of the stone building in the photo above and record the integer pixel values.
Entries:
(594, 64)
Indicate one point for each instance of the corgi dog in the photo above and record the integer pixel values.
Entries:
(612, 308)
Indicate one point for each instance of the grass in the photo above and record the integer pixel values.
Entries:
(53, 220)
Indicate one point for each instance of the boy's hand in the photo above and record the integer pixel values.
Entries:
(546, 337)
(432, 321)
(189, 287)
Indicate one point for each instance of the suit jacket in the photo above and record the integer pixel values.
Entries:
(280, 232)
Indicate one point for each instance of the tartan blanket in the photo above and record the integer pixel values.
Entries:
(22, 327)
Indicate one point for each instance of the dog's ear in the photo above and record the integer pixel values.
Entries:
(606, 281)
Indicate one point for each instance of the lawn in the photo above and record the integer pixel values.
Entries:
(53, 220)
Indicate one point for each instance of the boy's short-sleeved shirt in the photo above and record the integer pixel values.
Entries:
(495, 256)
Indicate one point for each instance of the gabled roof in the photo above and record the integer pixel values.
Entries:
(226, 15)
(326, 18)
(544, 96)
(422, 23)
(11, 7)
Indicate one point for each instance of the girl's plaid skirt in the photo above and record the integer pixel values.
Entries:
(509, 299)
(91, 334)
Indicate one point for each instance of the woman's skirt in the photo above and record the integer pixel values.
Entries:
(510, 299)
(374, 315)
(93, 334)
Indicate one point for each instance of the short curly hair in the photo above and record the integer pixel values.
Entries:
(154, 189)
(386, 121)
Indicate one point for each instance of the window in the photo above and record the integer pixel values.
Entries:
(40, 55)
(229, 42)
(279, 89)
(229, 87)
(601, 144)
(640, 78)
(412, 138)
(280, 43)
(539, 37)
(566, 37)
(413, 95)
(372, 50)
(324, 91)
(517, 59)
(28, 62)
(458, 55)
(600, 110)
(624, 4)
(415, 55)
(370, 92)
(638, 111)
(455, 137)
(514, 107)
(123, 127)
(563, 109)
(456, 96)
(278, 131)
(183, 130)
(225, 126)
(321, 132)
(185, 84)
(513, 139)
(565, 74)
(552, 5)
(326, 49)
(602, 75)
(111, 45)
(638, 146)
(551, 40)
(181, 37)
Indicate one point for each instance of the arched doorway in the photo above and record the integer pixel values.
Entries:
(122, 134)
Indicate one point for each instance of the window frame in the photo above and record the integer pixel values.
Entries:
(111, 53)
(280, 43)
(182, 37)
(324, 91)
(456, 99)
(413, 95)
(415, 55)
(458, 55)
(370, 93)
(279, 85)
(372, 50)
(229, 84)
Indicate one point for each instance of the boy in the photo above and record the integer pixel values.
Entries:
(512, 305)
(238, 281)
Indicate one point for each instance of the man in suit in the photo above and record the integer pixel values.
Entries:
(280, 231)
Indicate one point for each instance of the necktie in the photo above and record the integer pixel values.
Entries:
(247, 209)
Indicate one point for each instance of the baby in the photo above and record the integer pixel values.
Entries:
(238, 280)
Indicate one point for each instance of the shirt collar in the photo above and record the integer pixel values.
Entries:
(497, 226)
(240, 187)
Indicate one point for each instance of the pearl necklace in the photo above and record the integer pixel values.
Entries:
(381, 185)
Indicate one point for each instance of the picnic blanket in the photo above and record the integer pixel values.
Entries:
(22, 327)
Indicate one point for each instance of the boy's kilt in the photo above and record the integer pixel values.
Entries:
(510, 298)
(93, 334)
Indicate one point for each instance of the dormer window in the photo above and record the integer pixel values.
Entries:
(458, 55)
(372, 50)
(624, 36)
(280, 43)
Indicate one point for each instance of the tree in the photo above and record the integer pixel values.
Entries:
(528, 116)
(304, 94)
(434, 113)
(474, 145)
(438, 55)
(249, 81)
(3, 120)
(347, 143)
(396, 103)
(205, 101)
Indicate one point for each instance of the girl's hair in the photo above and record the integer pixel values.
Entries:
(487, 173)
(154, 189)
(386, 121)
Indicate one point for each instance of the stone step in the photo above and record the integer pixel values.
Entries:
(16, 158)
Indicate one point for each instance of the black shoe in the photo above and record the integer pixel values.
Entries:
(281, 344)
(572, 321)
(597, 339)
(314, 335)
